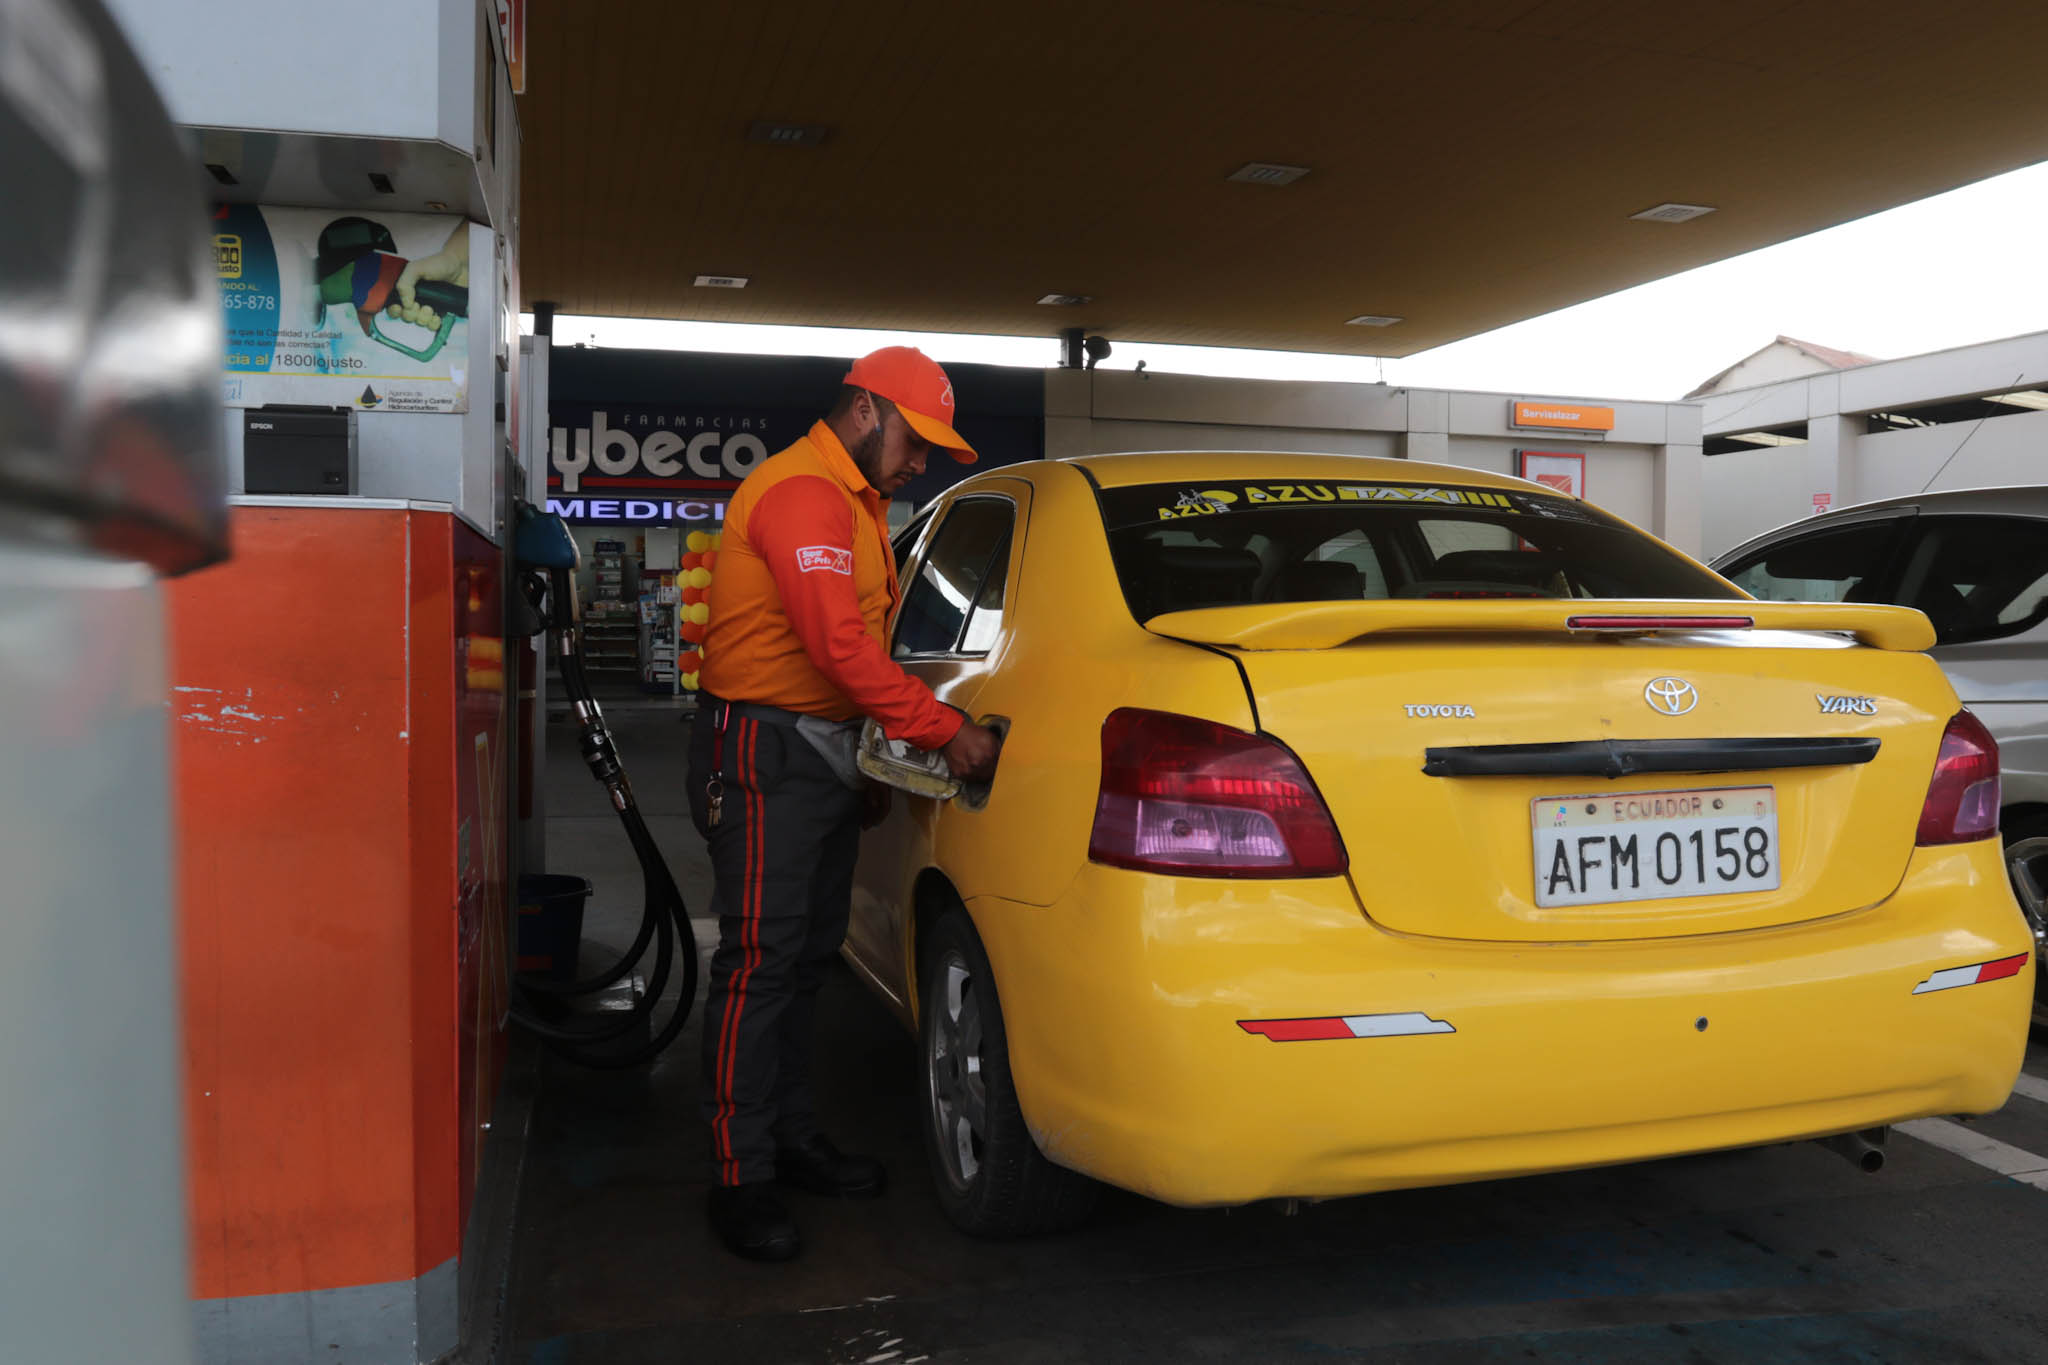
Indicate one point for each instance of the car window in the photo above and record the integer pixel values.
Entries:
(1841, 564)
(1445, 536)
(1179, 547)
(1351, 550)
(950, 583)
(906, 540)
(1978, 578)
(2026, 604)
(985, 622)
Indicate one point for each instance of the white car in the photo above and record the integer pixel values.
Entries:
(1976, 561)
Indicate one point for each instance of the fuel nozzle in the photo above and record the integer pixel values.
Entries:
(602, 756)
(357, 265)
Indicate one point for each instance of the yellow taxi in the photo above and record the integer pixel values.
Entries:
(1369, 823)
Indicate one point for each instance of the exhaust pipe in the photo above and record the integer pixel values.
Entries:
(1865, 1149)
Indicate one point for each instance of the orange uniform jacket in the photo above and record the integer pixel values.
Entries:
(801, 600)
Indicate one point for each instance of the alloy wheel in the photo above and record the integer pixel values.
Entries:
(959, 1098)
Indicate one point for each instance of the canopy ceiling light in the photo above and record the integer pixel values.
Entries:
(1267, 173)
(1673, 213)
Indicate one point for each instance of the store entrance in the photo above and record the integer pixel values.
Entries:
(644, 591)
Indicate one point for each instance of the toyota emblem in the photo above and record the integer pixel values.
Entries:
(1671, 696)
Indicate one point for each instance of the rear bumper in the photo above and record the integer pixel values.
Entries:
(1123, 1003)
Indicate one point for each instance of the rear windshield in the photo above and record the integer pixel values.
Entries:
(1178, 547)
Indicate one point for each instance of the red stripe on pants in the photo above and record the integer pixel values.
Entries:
(750, 914)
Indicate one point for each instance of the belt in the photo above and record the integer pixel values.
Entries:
(834, 740)
(725, 712)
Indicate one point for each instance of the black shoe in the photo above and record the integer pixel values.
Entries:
(817, 1166)
(752, 1223)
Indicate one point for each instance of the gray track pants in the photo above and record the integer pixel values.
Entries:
(782, 854)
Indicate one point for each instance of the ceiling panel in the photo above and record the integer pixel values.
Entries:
(1472, 162)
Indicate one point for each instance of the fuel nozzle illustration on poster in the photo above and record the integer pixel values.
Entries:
(341, 309)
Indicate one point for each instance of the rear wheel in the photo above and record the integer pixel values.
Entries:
(992, 1179)
(2026, 858)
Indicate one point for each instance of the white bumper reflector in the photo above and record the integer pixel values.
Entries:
(1948, 978)
(1346, 1026)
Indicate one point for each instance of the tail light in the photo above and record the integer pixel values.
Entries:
(1962, 800)
(1198, 799)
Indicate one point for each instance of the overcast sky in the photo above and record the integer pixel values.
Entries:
(1959, 268)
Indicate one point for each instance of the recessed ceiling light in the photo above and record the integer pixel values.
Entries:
(1673, 213)
(788, 134)
(1372, 320)
(1066, 300)
(722, 281)
(1267, 173)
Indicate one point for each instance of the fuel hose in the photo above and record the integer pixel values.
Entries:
(547, 1010)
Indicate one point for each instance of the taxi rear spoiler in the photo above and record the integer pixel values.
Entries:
(1325, 625)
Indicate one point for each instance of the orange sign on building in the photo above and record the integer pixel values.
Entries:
(1560, 416)
(512, 18)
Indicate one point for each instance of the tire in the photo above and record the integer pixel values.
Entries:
(992, 1180)
(2026, 861)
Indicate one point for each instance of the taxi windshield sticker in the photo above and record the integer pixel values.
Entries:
(1208, 502)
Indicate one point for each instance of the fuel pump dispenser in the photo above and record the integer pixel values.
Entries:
(350, 730)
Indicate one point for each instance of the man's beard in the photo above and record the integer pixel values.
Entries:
(867, 457)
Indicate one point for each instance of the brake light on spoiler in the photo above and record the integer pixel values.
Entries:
(1659, 622)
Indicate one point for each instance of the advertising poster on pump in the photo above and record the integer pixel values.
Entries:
(335, 309)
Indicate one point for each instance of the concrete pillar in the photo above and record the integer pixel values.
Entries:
(1434, 446)
(1427, 436)
(1829, 439)
(1675, 489)
(1830, 463)
(1069, 413)
(1677, 497)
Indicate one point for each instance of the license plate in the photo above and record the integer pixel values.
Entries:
(1645, 846)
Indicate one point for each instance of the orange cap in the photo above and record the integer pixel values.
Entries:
(920, 390)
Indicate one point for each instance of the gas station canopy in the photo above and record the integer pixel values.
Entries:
(941, 167)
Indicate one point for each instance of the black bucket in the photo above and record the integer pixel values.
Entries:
(551, 923)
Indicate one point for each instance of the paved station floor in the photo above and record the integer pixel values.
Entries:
(1776, 1255)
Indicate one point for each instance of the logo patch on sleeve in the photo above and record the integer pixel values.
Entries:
(824, 559)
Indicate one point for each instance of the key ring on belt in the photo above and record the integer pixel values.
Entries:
(714, 789)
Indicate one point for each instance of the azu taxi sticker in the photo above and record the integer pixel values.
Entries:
(1205, 503)
(1211, 501)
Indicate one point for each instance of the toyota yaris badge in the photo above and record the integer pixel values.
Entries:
(1670, 696)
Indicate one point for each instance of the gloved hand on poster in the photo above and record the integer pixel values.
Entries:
(450, 263)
